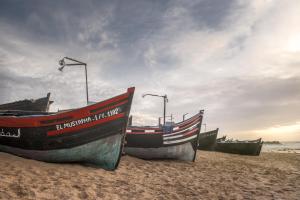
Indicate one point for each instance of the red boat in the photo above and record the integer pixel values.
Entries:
(92, 134)
(176, 141)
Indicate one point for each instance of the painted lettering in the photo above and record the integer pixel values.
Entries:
(89, 119)
(9, 134)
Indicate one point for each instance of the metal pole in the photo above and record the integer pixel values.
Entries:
(86, 85)
(183, 116)
(204, 127)
(165, 102)
(63, 64)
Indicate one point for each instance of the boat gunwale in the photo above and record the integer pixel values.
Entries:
(36, 120)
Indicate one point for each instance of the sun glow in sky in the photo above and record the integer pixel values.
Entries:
(280, 132)
(238, 60)
(294, 44)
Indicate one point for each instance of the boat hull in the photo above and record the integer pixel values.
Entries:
(242, 148)
(259, 149)
(178, 141)
(103, 152)
(207, 140)
(183, 152)
(41, 104)
(93, 134)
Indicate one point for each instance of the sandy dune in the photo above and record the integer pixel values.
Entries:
(212, 176)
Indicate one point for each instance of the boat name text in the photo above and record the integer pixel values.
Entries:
(89, 119)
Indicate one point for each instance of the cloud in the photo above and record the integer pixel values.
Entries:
(239, 60)
(290, 131)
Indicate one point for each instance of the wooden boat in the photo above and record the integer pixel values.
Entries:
(176, 141)
(246, 147)
(221, 139)
(259, 147)
(207, 140)
(92, 134)
(41, 104)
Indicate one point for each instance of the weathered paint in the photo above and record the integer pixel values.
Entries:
(207, 140)
(93, 134)
(41, 104)
(240, 147)
(181, 152)
(179, 142)
(103, 153)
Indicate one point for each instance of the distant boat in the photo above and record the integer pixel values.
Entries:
(175, 141)
(41, 104)
(92, 134)
(221, 139)
(272, 142)
(246, 147)
(207, 140)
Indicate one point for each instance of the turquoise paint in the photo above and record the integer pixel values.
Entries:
(104, 153)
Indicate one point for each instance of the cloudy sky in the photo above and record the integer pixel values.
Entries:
(238, 60)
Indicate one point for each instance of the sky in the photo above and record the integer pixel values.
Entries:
(238, 60)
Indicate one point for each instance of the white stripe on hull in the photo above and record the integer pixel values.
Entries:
(172, 137)
(179, 141)
(180, 135)
(174, 133)
(149, 131)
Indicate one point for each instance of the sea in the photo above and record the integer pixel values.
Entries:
(283, 147)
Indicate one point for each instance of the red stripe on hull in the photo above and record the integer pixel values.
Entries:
(111, 107)
(185, 126)
(109, 101)
(34, 121)
(183, 123)
(191, 132)
(187, 132)
(84, 116)
(87, 125)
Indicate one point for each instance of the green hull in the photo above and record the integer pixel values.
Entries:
(104, 153)
(241, 147)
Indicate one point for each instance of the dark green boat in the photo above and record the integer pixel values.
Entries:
(41, 104)
(207, 140)
(246, 147)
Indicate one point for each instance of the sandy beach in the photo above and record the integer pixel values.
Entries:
(212, 176)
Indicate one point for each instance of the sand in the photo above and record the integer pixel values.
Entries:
(212, 176)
